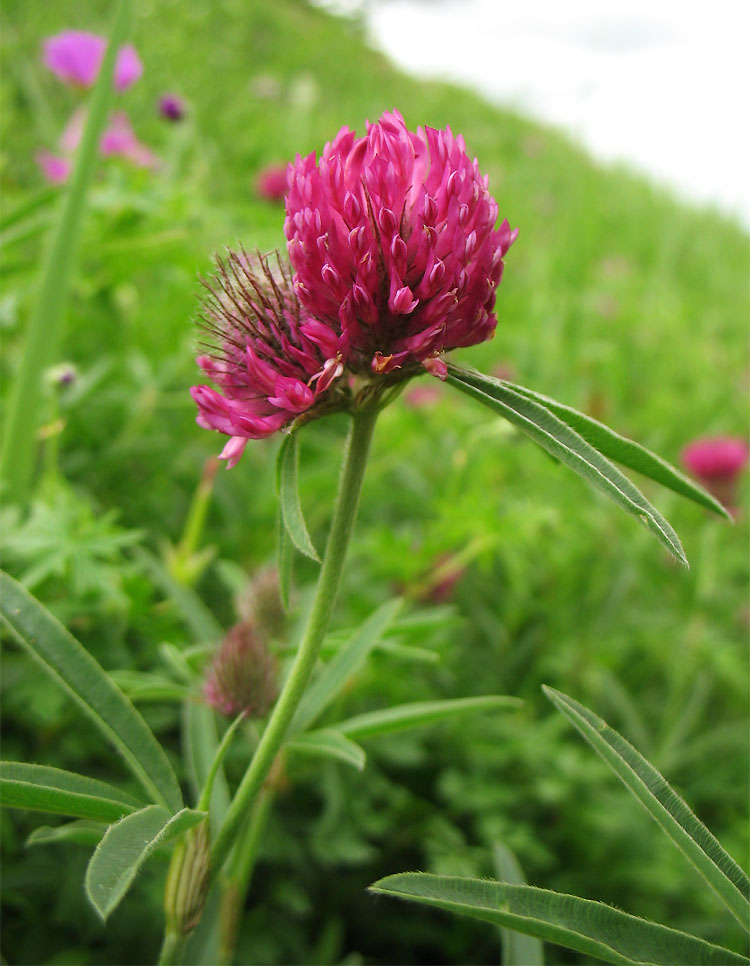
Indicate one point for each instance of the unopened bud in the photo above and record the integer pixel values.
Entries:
(188, 880)
(261, 603)
(242, 675)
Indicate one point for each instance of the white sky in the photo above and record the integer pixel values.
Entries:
(661, 84)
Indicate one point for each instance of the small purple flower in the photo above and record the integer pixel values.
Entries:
(242, 675)
(717, 462)
(119, 139)
(75, 56)
(54, 168)
(171, 107)
(271, 182)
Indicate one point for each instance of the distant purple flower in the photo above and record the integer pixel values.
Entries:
(271, 182)
(119, 139)
(171, 107)
(75, 56)
(717, 462)
(54, 168)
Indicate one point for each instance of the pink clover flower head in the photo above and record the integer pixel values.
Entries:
(75, 56)
(128, 68)
(392, 238)
(272, 183)
(272, 362)
(242, 675)
(719, 457)
(119, 139)
(54, 168)
(171, 107)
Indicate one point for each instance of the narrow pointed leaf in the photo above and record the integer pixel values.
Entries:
(39, 788)
(343, 666)
(291, 508)
(145, 688)
(612, 445)
(284, 555)
(126, 846)
(205, 797)
(330, 744)
(201, 742)
(79, 832)
(518, 949)
(580, 924)
(420, 713)
(566, 445)
(71, 666)
(664, 805)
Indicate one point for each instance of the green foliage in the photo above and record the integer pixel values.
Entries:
(580, 924)
(289, 502)
(616, 298)
(43, 789)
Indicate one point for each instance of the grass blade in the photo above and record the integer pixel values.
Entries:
(43, 334)
(612, 445)
(126, 846)
(580, 924)
(664, 805)
(565, 444)
(39, 788)
(287, 469)
(518, 949)
(420, 713)
(330, 744)
(71, 666)
(343, 666)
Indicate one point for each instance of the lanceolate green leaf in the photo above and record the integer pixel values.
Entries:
(284, 555)
(612, 445)
(420, 713)
(579, 924)
(687, 832)
(201, 743)
(291, 508)
(79, 832)
(566, 445)
(518, 949)
(42, 789)
(330, 744)
(126, 846)
(60, 654)
(343, 666)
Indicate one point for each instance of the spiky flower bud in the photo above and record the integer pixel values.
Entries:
(188, 880)
(261, 603)
(242, 675)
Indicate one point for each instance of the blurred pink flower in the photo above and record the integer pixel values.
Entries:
(171, 107)
(54, 168)
(271, 182)
(270, 359)
(75, 56)
(392, 239)
(119, 139)
(717, 462)
(422, 396)
(242, 675)
(73, 131)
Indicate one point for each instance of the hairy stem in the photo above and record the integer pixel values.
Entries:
(345, 511)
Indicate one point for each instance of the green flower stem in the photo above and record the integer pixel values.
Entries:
(240, 869)
(43, 335)
(171, 950)
(345, 511)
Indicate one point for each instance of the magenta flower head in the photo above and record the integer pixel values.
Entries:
(271, 182)
(119, 140)
(75, 56)
(242, 675)
(717, 462)
(54, 168)
(273, 363)
(392, 238)
(171, 107)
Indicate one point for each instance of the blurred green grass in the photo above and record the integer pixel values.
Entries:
(617, 298)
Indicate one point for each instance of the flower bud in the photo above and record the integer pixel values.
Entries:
(242, 675)
(261, 603)
(188, 880)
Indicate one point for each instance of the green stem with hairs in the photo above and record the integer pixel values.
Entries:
(345, 511)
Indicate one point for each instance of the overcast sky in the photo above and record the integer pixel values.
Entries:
(662, 84)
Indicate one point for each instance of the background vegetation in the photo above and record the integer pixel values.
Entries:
(617, 299)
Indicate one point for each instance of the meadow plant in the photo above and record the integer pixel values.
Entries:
(394, 258)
